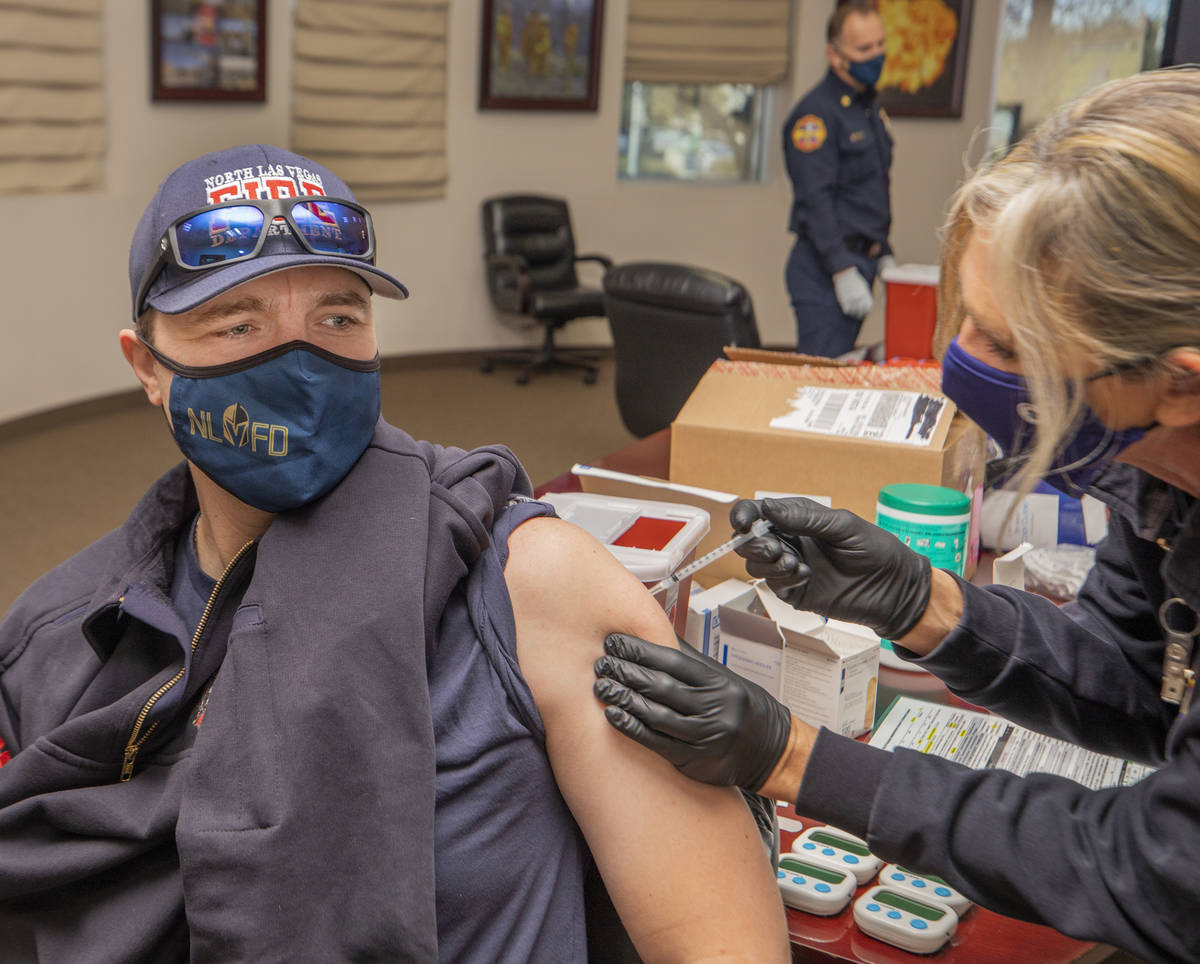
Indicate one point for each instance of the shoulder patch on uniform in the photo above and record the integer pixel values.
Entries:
(808, 133)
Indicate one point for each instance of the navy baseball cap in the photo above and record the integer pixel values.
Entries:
(249, 171)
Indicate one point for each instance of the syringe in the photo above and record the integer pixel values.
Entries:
(760, 528)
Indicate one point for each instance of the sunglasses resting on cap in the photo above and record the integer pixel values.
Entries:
(236, 231)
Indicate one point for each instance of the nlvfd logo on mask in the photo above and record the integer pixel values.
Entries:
(314, 415)
(237, 429)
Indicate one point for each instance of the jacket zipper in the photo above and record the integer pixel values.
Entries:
(136, 737)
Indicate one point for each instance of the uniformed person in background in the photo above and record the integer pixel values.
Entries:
(839, 155)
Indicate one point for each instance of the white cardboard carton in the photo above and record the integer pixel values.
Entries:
(704, 619)
(824, 671)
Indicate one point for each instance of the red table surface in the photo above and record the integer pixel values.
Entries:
(982, 937)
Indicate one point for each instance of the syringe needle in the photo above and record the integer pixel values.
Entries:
(759, 528)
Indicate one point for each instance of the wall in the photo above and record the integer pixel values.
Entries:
(66, 288)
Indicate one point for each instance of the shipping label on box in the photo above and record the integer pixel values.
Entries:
(907, 418)
(826, 675)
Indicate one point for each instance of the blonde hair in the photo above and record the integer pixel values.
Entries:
(1093, 224)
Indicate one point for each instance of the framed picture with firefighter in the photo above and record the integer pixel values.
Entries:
(540, 54)
(925, 68)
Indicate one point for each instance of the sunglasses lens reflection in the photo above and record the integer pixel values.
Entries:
(332, 228)
(212, 237)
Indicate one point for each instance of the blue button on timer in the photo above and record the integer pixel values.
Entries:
(918, 883)
(894, 914)
(897, 876)
(827, 851)
(942, 891)
(779, 874)
(872, 908)
(797, 880)
(822, 887)
(919, 924)
(810, 846)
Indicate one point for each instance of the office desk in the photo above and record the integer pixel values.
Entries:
(982, 936)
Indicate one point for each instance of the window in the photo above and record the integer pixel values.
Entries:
(692, 132)
(1052, 51)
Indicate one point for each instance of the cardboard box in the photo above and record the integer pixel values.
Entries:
(824, 671)
(723, 437)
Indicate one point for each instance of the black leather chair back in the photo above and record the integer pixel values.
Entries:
(539, 230)
(669, 323)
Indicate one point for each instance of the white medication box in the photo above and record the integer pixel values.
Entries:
(704, 613)
(651, 539)
(824, 671)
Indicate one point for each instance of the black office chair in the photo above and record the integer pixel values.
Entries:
(669, 322)
(529, 252)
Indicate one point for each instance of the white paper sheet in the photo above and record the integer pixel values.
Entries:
(980, 740)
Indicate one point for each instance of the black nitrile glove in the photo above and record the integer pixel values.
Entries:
(829, 561)
(715, 726)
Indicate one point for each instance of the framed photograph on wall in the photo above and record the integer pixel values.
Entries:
(926, 66)
(540, 54)
(208, 49)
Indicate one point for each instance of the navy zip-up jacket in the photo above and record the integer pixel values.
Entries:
(838, 152)
(1120, 866)
(298, 822)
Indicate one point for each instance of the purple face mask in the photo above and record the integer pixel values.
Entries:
(999, 403)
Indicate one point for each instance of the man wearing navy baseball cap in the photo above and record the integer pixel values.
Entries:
(319, 697)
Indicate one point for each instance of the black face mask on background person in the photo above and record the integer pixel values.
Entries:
(866, 72)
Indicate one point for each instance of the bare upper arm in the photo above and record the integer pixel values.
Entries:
(662, 842)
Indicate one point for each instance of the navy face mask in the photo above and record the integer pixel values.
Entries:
(278, 429)
(866, 72)
(999, 403)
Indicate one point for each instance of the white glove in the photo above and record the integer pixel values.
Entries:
(885, 263)
(853, 293)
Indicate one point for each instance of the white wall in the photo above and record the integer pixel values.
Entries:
(64, 257)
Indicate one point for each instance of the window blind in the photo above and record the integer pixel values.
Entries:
(52, 111)
(708, 41)
(368, 94)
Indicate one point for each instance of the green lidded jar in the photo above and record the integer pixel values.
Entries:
(930, 519)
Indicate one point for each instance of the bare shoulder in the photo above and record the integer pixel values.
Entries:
(538, 551)
(558, 573)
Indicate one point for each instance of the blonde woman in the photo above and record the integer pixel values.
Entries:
(1071, 290)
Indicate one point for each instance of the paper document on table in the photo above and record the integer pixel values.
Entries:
(980, 740)
(910, 418)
